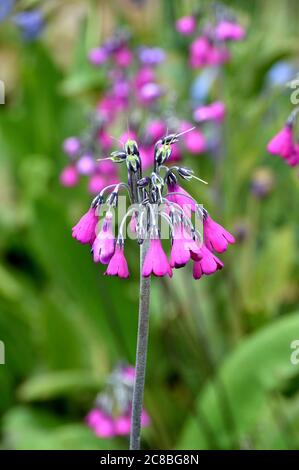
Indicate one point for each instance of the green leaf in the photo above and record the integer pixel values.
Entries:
(258, 366)
(29, 429)
(51, 385)
(267, 271)
(70, 264)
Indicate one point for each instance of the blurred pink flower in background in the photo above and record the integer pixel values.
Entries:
(111, 415)
(97, 56)
(194, 140)
(229, 31)
(186, 25)
(123, 57)
(71, 146)
(96, 183)
(85, 164)
(212, 112)
(69, 176)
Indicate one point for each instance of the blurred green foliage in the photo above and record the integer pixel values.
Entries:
(219, 370)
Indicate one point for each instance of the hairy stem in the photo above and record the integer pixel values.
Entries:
(141, 353)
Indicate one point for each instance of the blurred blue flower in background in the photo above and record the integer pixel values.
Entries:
(202, 84)
(6, 7)
(280, 73)
(151, 55)
(31, 23)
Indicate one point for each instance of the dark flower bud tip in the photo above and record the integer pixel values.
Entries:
(170, 139)
(113, 198)
(97, 201)
(171, 178)
(154, 196)
(162, 153)
(131, 147)
(185, 172)
(133, 162)
(143, 182)
(118, 156)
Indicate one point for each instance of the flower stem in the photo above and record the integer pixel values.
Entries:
(141, 353)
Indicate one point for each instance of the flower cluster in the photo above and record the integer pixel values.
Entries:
(111, 415)
(154, 199)
(284, 143)
(30, 22)
(132, 73)
(209, 47)
(133, 89)
(82, 153)
(210, 30)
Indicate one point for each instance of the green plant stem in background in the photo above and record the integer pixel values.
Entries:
(141, 353)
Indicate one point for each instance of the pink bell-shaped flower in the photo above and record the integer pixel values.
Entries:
(184, 200)
(183, 247)
(208, 264)
(118, 265)
(282, 143)
(216, 238)
(156, 261)
(84, 230)
(104, 245)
